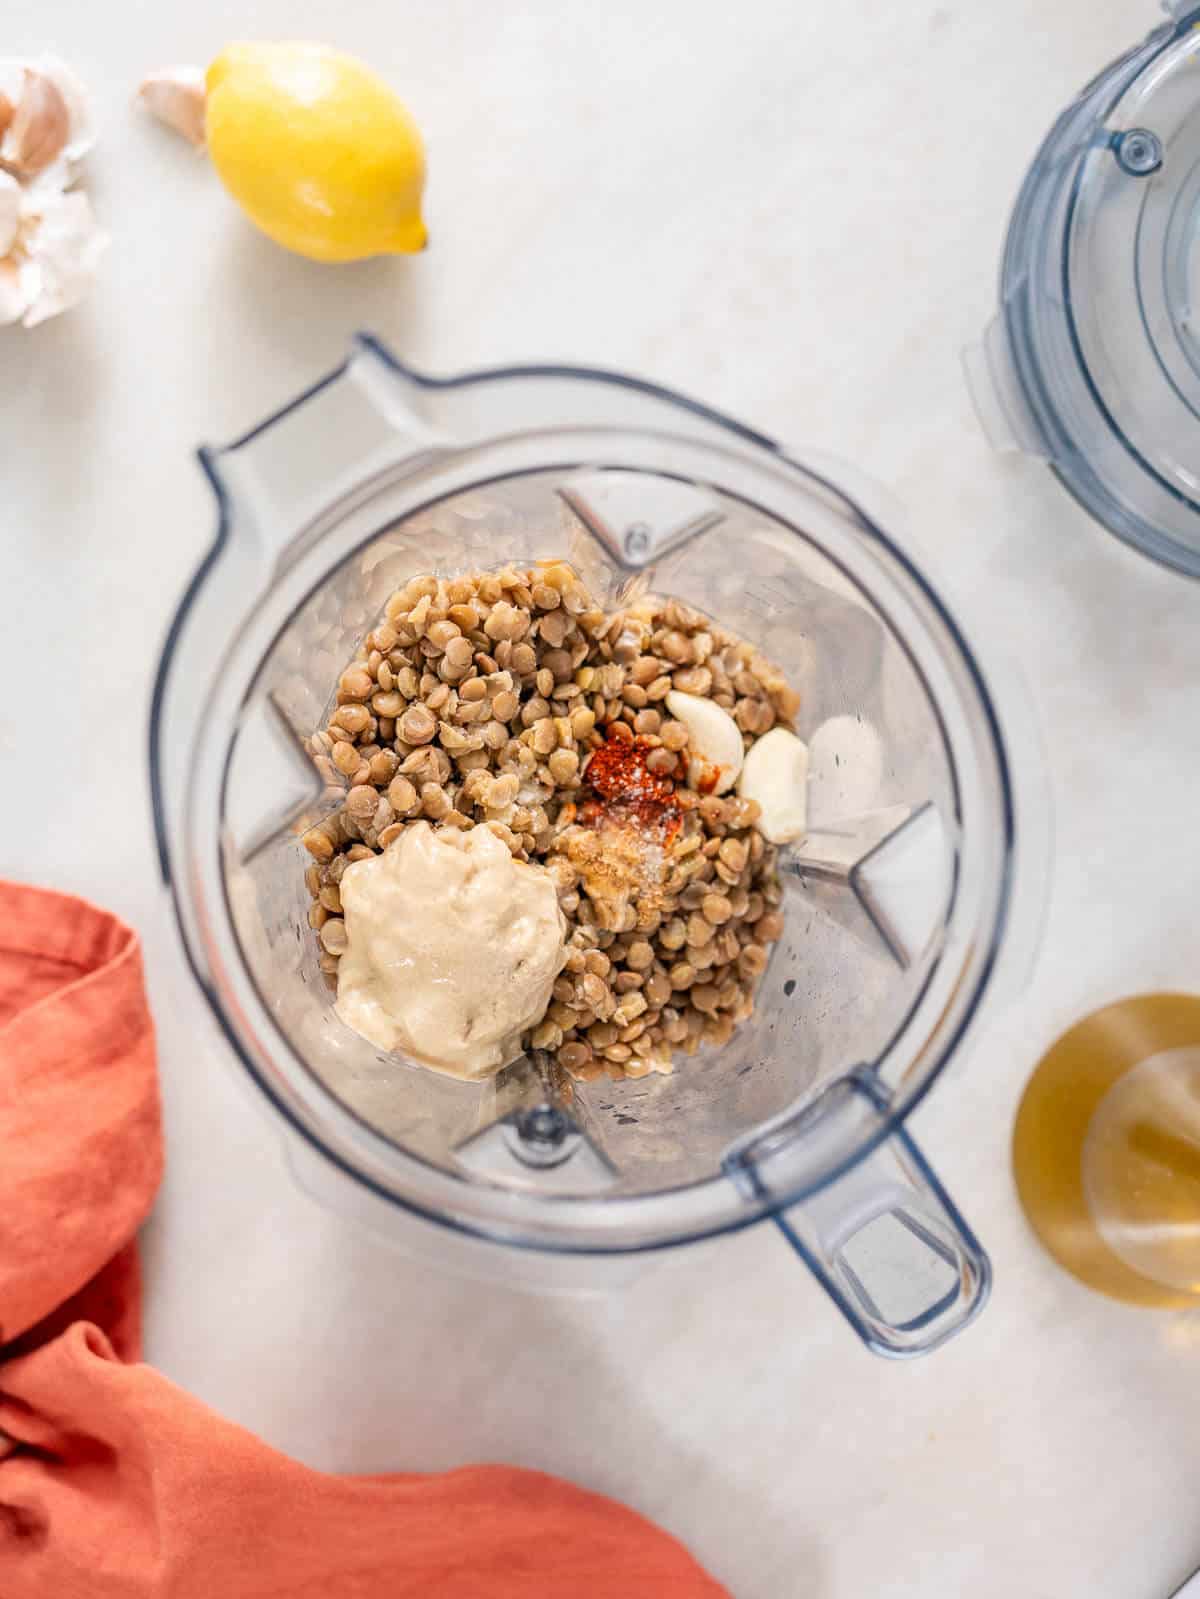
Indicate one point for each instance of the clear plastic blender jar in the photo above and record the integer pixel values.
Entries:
(898, 903)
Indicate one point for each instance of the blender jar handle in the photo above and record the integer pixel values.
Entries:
(883, 1238)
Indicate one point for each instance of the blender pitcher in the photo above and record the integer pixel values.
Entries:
(898, 899)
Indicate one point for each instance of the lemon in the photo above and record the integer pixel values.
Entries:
(317, 150)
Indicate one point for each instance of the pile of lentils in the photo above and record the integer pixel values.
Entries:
(480, 700)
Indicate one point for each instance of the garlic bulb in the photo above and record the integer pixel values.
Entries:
(175, 96)
(50, 243)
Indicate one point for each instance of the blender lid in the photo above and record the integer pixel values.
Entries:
(1131, 266)
(1094, 361)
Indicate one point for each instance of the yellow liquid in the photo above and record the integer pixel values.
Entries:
(1106, 1150)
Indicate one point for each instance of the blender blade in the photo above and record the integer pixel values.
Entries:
(884, 876)
(539, 1144)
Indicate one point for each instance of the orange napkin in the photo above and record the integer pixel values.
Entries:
(114, 1484)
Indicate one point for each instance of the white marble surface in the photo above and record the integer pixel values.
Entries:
(794, 211)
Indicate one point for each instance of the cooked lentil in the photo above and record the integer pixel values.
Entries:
(483, 698)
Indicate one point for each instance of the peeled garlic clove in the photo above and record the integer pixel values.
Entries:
(845, 769)
(714, 740)
(40, 127)
(175, 96)
(10, 212)
(775, 773)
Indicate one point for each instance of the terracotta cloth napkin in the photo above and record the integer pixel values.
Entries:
(114, 1484)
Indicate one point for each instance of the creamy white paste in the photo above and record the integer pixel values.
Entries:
(454, 948)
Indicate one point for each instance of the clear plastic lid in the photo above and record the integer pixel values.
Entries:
(1094, 360)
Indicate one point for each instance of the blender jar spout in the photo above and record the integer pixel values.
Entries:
(333, 441)
(276, 488)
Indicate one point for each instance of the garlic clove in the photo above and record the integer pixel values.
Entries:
(775, 774)
(45, 114)
(10, 212)
(80, 134)
(714, 739)
(40, 128)
(846, 769)
(175, 96)
(63, 252)
(14, 297)
(41, 125)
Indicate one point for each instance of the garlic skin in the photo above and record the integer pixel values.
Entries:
(52, 261)
(63, 253)
(175, 96)
(81, 134)
(50, 243)
(10, 212)
(13, 299)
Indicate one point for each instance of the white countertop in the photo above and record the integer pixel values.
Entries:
(794, 212)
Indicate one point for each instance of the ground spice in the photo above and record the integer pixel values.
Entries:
(627, 791)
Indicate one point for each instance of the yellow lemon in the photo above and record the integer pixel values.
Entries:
(317, 150)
